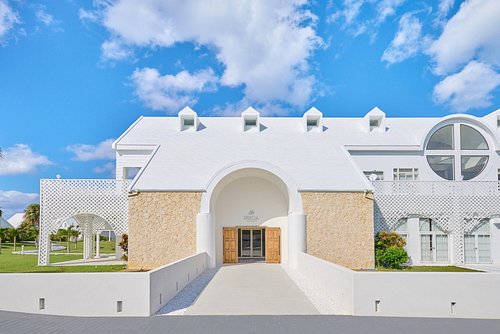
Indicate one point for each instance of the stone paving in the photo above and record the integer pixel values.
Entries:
(19, 323)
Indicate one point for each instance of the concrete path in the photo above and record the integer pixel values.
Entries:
(104, 260)
(19, 323)
(488, 268)
(251, 289)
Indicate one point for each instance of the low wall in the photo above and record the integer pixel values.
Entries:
(460, 295)
(167, 281)
(98, 294)
(335, 282)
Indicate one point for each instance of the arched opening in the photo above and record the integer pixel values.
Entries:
(252, 215)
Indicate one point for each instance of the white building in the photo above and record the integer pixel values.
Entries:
(268, 187)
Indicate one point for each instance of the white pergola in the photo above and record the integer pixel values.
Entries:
(96, 204)
(457, 207)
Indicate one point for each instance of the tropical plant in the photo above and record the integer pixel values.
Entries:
(32, 216)
(75, 234)
(124, 245)
(27, 232)
(3, 232)
(389, 250)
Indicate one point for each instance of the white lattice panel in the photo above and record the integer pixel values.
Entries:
(95, 204)
(455, 206)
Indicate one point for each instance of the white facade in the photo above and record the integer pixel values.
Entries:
(315, 153)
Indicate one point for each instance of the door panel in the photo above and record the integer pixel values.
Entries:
(273, 245)
(230, 244)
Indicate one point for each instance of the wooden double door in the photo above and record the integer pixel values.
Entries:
(251, 243)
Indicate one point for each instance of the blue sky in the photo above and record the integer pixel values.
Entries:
(74, 75)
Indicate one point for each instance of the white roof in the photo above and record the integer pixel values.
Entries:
(187, 160)
(4, 223)
(16, 220)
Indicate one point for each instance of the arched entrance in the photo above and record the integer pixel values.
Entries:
(250, 212)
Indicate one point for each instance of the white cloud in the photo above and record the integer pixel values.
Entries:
(107, 167)
(114, 50)
(263, 45)
(470, 88)
(20, 159)
(171, 92)
(472, 33)
(8, 18)
(406, 42)
(349, 12)
(387, 8)
(85, 152)
(12, 201)
(44, 17)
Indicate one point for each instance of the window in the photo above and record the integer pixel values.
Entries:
(433, 242)
(402, 230)
(457, 151)
(374, 175)
(405, 174)
(312, 122)
(188, 122)
(251, 122)
(477, 244)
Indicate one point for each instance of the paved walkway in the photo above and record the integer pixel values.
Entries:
(19, 323)
(489, 268)
(251, 289)
(104, 260)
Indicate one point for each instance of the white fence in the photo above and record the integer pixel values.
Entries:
(460, 295)
(98, 294)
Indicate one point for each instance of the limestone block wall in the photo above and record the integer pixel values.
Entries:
(340, 227)
(162, 227)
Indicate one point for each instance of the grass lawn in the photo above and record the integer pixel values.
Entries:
(441, 269)
(27, 263)
(106, 247)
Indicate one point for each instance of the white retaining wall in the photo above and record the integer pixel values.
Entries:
(98, 294)
(474, 295)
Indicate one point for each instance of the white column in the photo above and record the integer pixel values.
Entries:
(413, 240)
(205, 237)
(97, 245)
(296, 237)
(87, 245)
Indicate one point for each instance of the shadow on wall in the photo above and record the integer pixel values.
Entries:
(188, 295)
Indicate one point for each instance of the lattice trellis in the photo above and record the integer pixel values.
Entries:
(455, 206)
(95, 204)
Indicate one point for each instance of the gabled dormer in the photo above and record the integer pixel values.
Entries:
(188, 120)
(313, 120)
(375, 120)
(250, 120)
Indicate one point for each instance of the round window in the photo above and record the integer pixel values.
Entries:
(457, 149)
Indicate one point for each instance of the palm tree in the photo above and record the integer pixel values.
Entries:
(32, 216)
(75, 234)
(69, 233)
(2, 235)
(14, 233)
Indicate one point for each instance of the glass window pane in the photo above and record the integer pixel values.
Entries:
(471, 139)
(470, 248)
(441, 248)
(442, 139)
(425, 225)
(483, 248)
(402, 226)
(426, 253)
(442, 165)
(473, 165)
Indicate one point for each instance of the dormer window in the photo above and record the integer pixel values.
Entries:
(312, 120)
(375, 123)
(498, 122)
(250, 120)
(188, 120)
(375, 120)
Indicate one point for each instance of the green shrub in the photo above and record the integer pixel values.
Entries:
(389, 250)
(124, 246)
(393, 257)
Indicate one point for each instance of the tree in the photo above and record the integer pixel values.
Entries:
(3, 232)
(69, 233)
(389, 250)
(32, 216)
(75, 234)
(27, 232)
(14, 233)
(124, 245)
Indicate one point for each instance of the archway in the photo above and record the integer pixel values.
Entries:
(251, 201)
